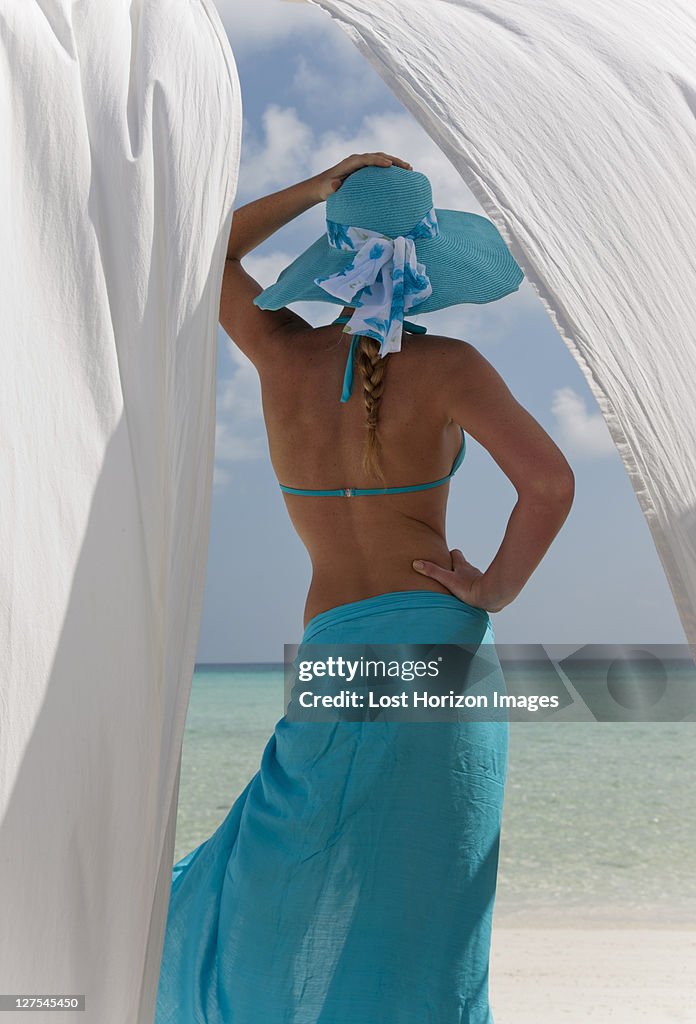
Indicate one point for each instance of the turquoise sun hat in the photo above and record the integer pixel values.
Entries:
(387, 250)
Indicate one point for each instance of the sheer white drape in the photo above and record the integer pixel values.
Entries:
(574, 125)
(120, 124)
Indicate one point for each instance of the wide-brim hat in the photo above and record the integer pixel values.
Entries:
(468, 261)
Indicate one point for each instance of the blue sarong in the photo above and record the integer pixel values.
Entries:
(353, 880)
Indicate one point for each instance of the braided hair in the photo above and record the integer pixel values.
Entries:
(372, 369)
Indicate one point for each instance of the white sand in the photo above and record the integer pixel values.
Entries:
(607, 975)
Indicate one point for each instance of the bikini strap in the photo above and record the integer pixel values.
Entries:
(348, 374)
(460, 454)
(349, 492)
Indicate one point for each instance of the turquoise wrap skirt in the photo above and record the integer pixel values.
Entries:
(353, 880)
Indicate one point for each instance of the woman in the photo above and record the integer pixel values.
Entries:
(353, 880)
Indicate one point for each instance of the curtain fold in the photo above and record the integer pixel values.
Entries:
(121, 125)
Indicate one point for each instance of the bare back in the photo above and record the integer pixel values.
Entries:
(364, 545)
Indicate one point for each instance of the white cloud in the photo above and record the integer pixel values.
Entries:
(282, 156)
(311, 82)
(484, 324)
(584, 433)
(288, 150)
(335, 80)
(253, 25)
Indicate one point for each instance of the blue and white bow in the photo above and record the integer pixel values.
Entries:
(383, 281)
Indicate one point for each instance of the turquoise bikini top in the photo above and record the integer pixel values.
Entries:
(349, 492)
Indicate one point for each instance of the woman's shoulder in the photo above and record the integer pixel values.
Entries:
(433, 358)
(443, 354)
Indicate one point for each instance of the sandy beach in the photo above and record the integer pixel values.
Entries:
(605, 975)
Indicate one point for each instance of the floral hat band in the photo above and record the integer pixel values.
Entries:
(383, 280)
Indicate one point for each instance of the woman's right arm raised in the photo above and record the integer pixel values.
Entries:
(481, 403)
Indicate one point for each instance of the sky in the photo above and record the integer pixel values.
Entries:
(309, 99)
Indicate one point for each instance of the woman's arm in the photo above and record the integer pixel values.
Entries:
(482, 404)
(256, 331)
(256, 221)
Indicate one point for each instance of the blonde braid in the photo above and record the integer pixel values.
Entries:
(372, 369)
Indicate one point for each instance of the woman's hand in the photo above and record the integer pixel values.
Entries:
(330, 181)
(464, 580)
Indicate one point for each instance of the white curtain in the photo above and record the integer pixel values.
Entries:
(120, 124)
(574, 125)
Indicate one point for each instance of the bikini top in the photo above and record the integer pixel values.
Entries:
(349, 492)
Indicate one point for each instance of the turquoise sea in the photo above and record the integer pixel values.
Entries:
(599, 819)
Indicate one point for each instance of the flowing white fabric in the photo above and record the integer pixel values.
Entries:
(120, 123)
(574, 124)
